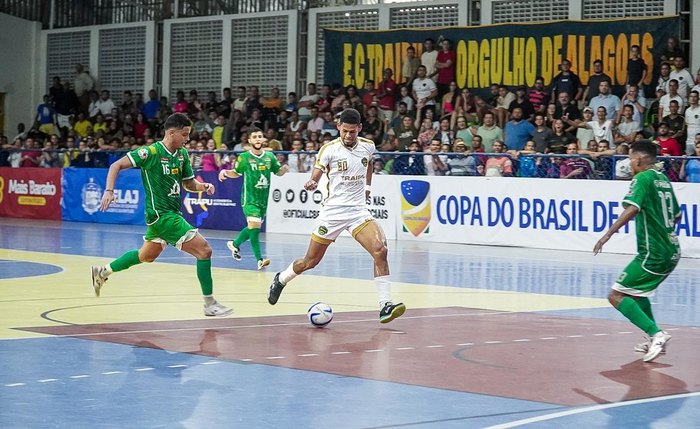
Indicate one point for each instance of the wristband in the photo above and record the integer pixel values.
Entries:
(368, 187)
(109, 190)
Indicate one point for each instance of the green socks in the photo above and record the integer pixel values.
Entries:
(204, 276)
(645, 305)
(127, 260)
(255, 242)
(242, 237)
(631, 310)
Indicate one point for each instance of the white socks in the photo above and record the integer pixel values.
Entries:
(288, 274)
(383, 290)
(209, 300)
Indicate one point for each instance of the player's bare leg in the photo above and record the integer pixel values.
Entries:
(372, 238)
(314, 254)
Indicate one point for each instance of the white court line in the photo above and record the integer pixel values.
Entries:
(553, 416)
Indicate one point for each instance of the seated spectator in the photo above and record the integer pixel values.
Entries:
(574, 167)
(294, 159)
(329, 125)
(489, 132)
(584, 135)
(668, 146)
(450, 99)
(560, 139)
(461, 164)
(675, 122)
(402, 110)
(503, 101)
(445, 134)
(626, 129)
(690, 168)
(523, 103)
(435, 164)
(498, 166)
(527, 166)
(623, 170)
(541, 133)
(567, 110)
(426, 132)
(672, 95)
(378, 167)
(401, 137)
(411, 163)
(180, 105)
(638, 103)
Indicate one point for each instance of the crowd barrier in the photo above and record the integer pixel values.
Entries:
(522, 212)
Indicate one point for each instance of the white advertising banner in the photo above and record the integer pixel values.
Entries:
(293, 210)
(538, 213)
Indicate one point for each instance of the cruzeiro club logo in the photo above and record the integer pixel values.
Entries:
(415, 206)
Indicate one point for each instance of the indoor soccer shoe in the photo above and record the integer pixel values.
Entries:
(217, 310)
(235, 253)
(98, 278)
(658, 343)
(391, 312)
(263, 263)
(275, 290)
(644, 347)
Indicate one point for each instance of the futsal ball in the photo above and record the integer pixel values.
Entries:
(320, 314)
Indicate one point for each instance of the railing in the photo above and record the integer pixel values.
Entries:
(579, 166)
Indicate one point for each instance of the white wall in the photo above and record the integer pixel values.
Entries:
(19, 77)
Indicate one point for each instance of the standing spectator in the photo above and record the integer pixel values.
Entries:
(445, 67)
(671, 50)
(666, 99)
(664, 78)
(194, 106)
(566, 110)
(566, 81)
(541, 133)
(315, 122)
(636, 68)
(518, 130)
(675, 122)
(140, 126)
(46, 116)
(402, 136)
(212, 103)
(152, 106)
(692, 121)
(226, 103)
(307, 101)
(272, 106)
(239, 102)
(409, 66)
(683, 76)
(105, 103)
(638, 103)
(411, 163)
(428, 58)
(461, 164)
(489, 132)
(369, 97)
(325, 99)
(668, 146)
(538, 96)
(498, 166)
(605, 98)
(180, 105)
(83, 84)
(424, 91)
(65, 103)
(386, 93)
(594, 80)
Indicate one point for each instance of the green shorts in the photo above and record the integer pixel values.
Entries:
(170, 228)
(254, 211)
(635, 280)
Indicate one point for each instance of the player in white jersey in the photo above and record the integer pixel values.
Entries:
(347, 163)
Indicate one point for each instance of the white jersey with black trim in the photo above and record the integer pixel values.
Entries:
(346, 171)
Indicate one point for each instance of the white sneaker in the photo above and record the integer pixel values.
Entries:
(263, 263)
(644, 347)
(658, 341)
(235, 253)
(98, 278)
(217, 310)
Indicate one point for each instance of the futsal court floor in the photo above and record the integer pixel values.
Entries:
(493, 337)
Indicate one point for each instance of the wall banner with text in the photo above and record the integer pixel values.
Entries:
(509, 54)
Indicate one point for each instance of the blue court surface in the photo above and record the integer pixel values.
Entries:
(493, 337)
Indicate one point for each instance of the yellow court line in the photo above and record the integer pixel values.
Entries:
(168, 291)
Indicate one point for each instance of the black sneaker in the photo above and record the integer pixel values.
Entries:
(275, 290)
(390, 311)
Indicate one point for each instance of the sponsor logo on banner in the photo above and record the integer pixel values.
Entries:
(32, 193)
(91, 196)
(213, 211)
(415, 206)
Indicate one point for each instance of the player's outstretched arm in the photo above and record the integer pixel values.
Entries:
(227, 174)
(194, 185)
(108, 196)
(627, 215)
(315, 177)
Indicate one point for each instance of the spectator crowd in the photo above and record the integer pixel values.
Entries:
(422, 125)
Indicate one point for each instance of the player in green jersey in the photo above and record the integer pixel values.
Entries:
(164, 165)
(256, 166)
(652, 201)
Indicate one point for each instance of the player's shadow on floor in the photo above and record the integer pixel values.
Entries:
(644, 381)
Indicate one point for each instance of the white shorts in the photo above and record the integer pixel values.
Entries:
(334, 220)
(63, 120)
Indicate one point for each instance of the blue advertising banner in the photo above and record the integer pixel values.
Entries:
(82, 194)
(222, 210)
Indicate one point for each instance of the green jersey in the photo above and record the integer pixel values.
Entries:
(657, 243)
(161, 172)
(256, 171)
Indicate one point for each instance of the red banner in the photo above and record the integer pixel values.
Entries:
(30, 193)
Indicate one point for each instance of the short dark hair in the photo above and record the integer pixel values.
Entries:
(350, 116)
(254, 129)
(177, 121)
(646, 148)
